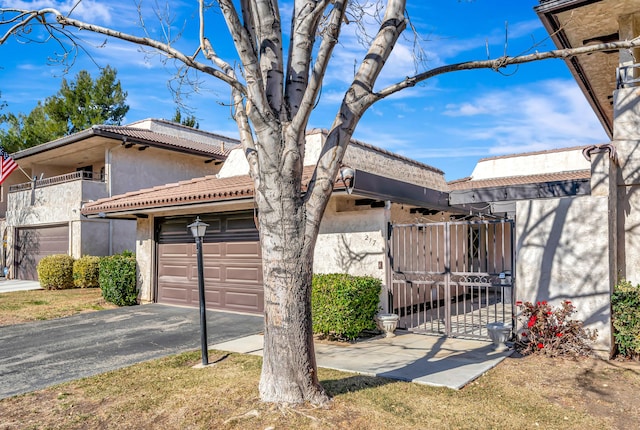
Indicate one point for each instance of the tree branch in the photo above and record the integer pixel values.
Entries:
(502, 62)
(306, 20)
(250, 61)
(352, 108)
(144, 41)
(329, 41)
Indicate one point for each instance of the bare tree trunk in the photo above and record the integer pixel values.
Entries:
(289, 371)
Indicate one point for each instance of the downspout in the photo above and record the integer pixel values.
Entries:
(107, 173)
(386, 305)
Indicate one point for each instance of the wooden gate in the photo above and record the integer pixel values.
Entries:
(452, 278)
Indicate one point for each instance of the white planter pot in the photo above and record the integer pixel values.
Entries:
(499, 333)
(387, 323)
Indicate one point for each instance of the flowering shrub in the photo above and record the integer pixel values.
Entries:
(550, 332)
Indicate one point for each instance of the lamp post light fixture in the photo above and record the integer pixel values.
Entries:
(198, 230)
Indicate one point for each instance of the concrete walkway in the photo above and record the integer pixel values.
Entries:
(429, 360)
(8, 285)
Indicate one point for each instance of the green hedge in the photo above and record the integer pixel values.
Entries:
(118, 279)
(625, 304)
(55, 272)
(343, 305)
(86, 272)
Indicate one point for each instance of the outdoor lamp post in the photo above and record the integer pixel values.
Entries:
(198, 229)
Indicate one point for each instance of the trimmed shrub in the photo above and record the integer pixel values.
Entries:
(55, 272)
(117, 279)
(625, 304)
(343, 306)
(85, 271)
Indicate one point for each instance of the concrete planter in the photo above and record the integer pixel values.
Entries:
(499, 333)
(387, 323)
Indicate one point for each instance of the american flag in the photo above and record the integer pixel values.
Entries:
(7, 165)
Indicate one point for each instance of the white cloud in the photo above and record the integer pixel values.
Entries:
(89, 10)
(465, 109)
(537, 116)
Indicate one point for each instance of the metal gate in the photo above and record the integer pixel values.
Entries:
(452, 278)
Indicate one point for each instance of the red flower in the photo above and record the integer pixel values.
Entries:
(519, 303)
(559, 334)
(568, 302)
(544, 302)
(524, 334)
(532, 321)
(540, 345)
(549, 313)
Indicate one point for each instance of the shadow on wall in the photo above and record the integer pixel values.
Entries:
(629, 212)
(347, 258)
(563, 253)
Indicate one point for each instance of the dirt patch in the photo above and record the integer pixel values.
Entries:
(604, 389)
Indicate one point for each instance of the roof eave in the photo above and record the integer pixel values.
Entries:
(540, 190)
(546, 12)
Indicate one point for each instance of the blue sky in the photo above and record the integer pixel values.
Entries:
(448, 122)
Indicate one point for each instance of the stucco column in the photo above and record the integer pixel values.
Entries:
(604, 172)
(145, 258)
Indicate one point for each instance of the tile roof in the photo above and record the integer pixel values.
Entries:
(195, 191)
(141, 136)
(221, 149)
(468, 183)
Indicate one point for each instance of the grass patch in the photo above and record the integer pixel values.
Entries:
(37, 305)
(531, 392)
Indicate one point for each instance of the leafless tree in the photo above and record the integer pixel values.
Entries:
(273, 95)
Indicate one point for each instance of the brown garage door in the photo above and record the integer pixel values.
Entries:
(232, 263)
(34, 243)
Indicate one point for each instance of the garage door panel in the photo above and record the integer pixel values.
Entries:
(242, 250)
(212, 296)
(176, 293)
(175, 270)
(180, 250)
(244, 300)
(211, 272)
(243, 275)
(210, 250)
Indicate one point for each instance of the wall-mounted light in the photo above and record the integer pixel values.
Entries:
(348, 176)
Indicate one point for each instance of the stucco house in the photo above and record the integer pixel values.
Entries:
(42, 215)
(552, 225)
(383, 188)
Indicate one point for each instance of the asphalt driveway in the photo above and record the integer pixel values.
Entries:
(37, 355)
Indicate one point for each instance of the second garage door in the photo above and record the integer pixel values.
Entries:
(232, 263)
(34, 243)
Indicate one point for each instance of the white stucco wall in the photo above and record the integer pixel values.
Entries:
(351, 242)
(629, 210)
(561, 254)
(358, 156)
(563, 160)
(130, 169)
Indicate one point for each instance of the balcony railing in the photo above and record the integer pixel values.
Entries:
(628, 76)
(69, 177)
